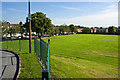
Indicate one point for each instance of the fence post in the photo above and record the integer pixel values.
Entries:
(35, 45)
(48, 66)
(91, 45)
(7, 43)
(45, 75)
(19, 45)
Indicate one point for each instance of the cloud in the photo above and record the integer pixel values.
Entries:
(13, 9)
(105, 18)
(70, 8)
(65, 7)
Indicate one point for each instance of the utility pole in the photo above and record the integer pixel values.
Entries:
(29, 18)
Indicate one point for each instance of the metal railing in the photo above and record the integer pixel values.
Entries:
(42, 50)
(15, 44)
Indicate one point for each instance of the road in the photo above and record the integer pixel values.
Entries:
(8, 65)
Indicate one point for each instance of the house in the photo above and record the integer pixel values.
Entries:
(9, 26)
(16, 34)
(92, 31)
(117, 30)
(79, 30)
(99, 30)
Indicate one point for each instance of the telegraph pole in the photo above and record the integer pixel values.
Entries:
(29, 18)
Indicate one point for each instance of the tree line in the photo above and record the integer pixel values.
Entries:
(42, 25)
(12, 30)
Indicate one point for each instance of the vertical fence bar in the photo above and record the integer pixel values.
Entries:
(91, 45)
(7, 43)
(48, 66)
(35, 45)
(19, 45)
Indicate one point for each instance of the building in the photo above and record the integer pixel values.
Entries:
(117, 30)
(99, 30)
(79, 30)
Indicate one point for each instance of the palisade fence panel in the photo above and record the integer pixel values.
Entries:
(4, 44)
(106, 47)
(16, 44)
(13, 44)
(24, 45)
(42, 50)
(37, 47)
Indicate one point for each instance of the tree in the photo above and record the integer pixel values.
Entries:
(49, 27)
(111, 29)
(57, 31)
(21, 28)
(40, 23)
(86, 30)
(97, 27)
(118, 29)
(100, 27)
(62, 29)
(73, 28)
(67, 29)
(4, 28)
(13, 30)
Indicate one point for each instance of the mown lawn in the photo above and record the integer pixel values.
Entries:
(78, 56)
(71, 56)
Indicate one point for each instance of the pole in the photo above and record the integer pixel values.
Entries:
(48, 65)
(30, 47)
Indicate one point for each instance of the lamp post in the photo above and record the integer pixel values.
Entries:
(29, 18)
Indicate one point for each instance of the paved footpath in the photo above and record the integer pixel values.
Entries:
(8, 66)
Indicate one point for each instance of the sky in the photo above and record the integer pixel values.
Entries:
(61, 0)
(90, 14)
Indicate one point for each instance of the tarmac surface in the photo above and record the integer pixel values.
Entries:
(8, 65)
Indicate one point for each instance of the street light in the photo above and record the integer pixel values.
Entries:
(29, 18)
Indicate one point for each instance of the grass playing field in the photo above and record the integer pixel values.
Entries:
(71, 56)
(77, 56)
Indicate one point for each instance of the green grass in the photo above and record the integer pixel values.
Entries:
(80, 68)
(102, 62)
(14, 45)
(30, 66)
(72, 56)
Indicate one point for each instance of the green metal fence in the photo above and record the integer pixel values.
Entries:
(42, 50)
(16, 44)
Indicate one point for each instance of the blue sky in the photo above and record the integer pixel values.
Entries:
(78, 13)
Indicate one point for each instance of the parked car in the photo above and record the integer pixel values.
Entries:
(25, 37)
